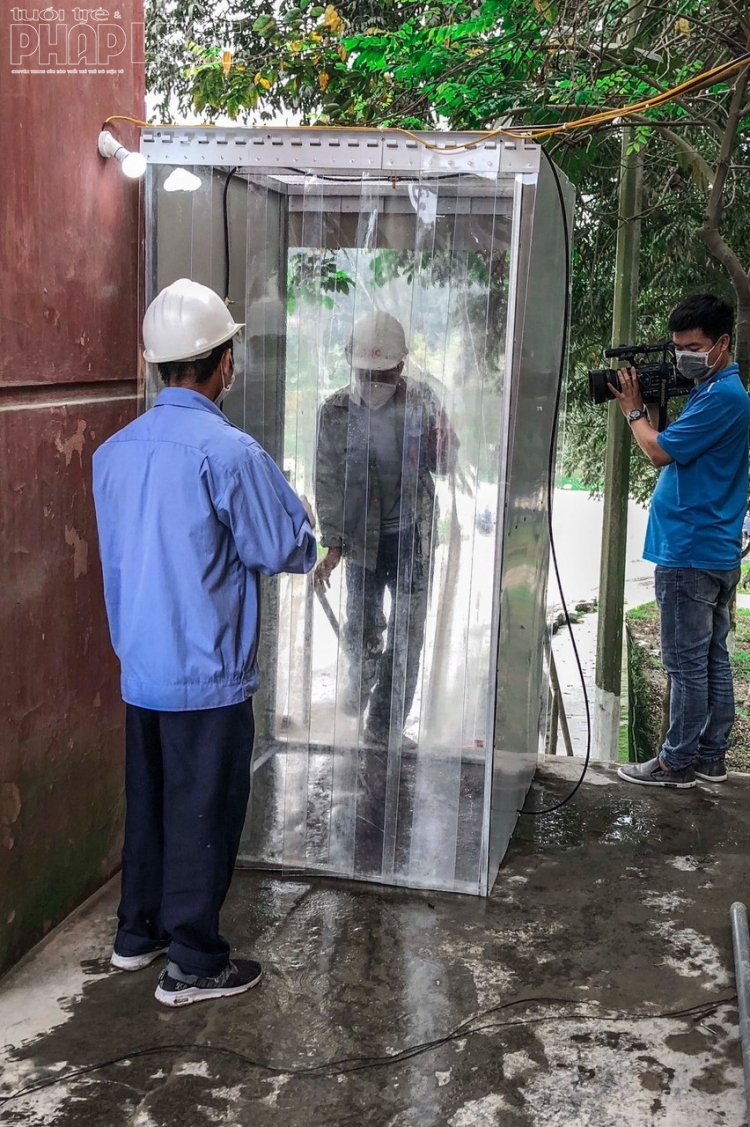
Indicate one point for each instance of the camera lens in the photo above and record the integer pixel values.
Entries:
(601, 381)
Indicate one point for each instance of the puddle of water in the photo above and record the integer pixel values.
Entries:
(678, 824)
(614, 819)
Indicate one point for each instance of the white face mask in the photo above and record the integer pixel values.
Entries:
(374, 394)
(694, 365)
(225, 387)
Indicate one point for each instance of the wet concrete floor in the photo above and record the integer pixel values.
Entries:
(386, 1008)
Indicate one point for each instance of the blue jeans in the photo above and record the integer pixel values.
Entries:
(694, 607)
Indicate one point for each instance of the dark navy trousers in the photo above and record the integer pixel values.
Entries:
(187, 785)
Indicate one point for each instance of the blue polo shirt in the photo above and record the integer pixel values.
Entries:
(700, 499)
(190, 512)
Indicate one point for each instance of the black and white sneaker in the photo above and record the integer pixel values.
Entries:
(179, 989)
(715, 772)
(652, 774)
(137, 962)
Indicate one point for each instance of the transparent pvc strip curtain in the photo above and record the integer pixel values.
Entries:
(374, 724)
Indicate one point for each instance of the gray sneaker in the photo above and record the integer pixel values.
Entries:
(652, 774)
(712, 772)
(179, 989)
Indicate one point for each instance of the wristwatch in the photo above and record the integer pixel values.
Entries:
(636, 413)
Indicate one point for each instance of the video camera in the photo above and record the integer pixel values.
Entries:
(659, 379)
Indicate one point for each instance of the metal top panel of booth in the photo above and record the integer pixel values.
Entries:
(338, 150)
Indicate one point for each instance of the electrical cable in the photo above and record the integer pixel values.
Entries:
(232, 172)
(345, 1065)
(531, 133)
(348, 178)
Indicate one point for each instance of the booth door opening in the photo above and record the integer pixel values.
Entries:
(388, 413)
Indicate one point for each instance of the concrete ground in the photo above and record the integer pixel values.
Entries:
(542, 1006)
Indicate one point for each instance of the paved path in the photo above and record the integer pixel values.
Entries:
(578, 532)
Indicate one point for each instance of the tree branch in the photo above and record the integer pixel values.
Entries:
(704, 25)
(713, 210)
(697, 162)
(729, 260)
(740, 14)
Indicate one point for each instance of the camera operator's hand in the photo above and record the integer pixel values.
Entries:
(630, 399)
(629, 396)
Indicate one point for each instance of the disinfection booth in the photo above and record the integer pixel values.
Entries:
(404, 307)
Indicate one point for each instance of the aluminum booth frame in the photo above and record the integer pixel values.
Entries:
(465, 247)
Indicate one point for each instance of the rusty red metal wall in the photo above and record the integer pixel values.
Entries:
(71, 239)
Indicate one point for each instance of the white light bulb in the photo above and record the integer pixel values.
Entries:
(134, 165)
(182, 181)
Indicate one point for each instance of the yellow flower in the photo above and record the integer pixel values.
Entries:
(226, 61)
(264, 83)
(342, 53)
(323, 80)
(316, 38)
(294, 48)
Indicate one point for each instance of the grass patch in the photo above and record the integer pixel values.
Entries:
(648, 612)
(573, 483)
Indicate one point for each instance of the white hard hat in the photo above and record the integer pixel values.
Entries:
(185, 322)
(377, 343)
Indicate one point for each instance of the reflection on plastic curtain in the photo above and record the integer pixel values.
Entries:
(373, 368)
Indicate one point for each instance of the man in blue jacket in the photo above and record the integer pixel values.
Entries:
(694, 537)
(191, 511)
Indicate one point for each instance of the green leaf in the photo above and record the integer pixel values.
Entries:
(265, 26)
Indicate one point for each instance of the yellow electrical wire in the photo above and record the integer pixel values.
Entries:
(706, 78)
(531, 133)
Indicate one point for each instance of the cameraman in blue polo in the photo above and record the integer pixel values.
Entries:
(694, 537)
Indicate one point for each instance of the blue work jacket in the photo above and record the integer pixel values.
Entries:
(190, 511)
